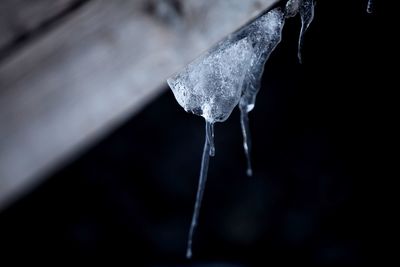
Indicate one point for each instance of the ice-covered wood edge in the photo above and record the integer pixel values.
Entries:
(73, 85)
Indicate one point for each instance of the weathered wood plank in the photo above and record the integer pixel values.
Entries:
(20, 17)
(78, 82)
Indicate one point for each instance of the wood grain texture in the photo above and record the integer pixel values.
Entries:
(20, 17)
(78, 82)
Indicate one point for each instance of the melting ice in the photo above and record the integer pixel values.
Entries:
(264, 34)
(229, 75)
(306, 10)
(211, 87)
(307, 15)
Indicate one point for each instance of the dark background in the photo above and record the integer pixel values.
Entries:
(130, 197)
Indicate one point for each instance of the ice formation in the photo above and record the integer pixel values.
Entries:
(201, 187)
(211, 87)
(292, 8)
(265, 34)
(306, 11)
(229, 75)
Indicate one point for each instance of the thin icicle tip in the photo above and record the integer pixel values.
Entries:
(244, 122)
(200, 189)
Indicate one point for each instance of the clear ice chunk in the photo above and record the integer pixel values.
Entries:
(264, 34)
(211, 85)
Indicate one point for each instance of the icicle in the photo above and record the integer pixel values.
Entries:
(244, 122)
(230, 74)
(370, 6)
(306, 11)
(265, 34)
(200, 190)
(214, 84)
(211, 87)
(210, 138)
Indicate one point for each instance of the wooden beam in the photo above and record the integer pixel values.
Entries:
(21, 18)
(75, 84)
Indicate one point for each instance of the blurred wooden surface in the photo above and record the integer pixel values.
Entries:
(65, 89)
(19, 18)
